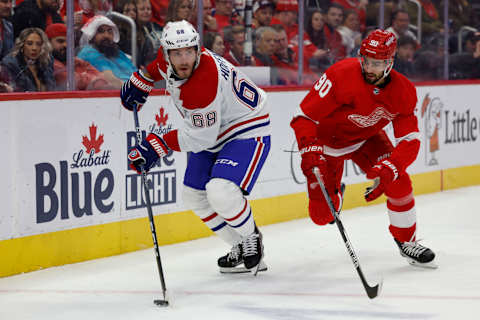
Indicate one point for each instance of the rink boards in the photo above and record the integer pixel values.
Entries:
(68, 195)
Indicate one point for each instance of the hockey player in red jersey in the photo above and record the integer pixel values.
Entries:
(226, 130)
(343, 116)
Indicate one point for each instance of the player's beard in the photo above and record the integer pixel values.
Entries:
(184, 74)
(372, 78)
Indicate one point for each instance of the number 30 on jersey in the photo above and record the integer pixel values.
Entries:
(323, 86)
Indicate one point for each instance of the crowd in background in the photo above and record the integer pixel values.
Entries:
(33, 38)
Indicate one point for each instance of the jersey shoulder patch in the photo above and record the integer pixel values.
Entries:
(201, 88)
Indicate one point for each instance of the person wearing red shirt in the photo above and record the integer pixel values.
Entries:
(86, 76)
(334, 18)
(225, 15)
(342, 117)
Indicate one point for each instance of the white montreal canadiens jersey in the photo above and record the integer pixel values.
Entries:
(218, 104)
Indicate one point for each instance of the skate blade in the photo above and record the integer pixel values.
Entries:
(261, 266)
(426, 265)
(240, 269)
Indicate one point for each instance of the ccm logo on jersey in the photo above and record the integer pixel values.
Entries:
(227, 162)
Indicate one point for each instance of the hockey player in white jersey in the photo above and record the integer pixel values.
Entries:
(226, 132)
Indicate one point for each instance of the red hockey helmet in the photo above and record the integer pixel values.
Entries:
(379, 44)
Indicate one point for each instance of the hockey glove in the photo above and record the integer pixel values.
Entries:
(135, 91)
(147, 153)
(384, 173)
(312, 156)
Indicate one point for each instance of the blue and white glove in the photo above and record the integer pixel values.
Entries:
(135, 91)
(147, 153)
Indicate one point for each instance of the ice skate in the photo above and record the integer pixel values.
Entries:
(252, 252)
(232, 262)
(416, 254)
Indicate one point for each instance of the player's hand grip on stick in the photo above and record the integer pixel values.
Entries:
(384, 173)
(372, 292)
(147, 152)
(135, 91)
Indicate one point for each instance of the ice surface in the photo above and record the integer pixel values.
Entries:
(310, 274)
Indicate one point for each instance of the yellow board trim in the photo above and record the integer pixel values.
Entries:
(69, 246)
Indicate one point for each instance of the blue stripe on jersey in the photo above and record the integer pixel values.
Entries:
(240, 132)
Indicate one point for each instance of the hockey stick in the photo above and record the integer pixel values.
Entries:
(372, 292)
(158, 302)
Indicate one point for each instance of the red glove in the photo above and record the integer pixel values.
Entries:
(384, 173)
(312, 156)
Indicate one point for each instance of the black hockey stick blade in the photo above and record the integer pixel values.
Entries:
(373, 292)
(161, 303)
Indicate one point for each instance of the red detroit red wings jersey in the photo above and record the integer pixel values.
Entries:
(349, 110)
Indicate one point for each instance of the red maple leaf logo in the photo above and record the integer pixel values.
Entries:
(93, 143)
(162, 118)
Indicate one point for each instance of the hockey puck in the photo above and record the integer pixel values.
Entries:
(161, 303)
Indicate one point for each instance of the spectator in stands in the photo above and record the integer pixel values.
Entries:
(286, 15)
(159, 11)
(29, 65)
(428, 61)
(144, 20)
(148, 33)
(84, 10)
(214, 42)
(285, 58)
(209, 22)
(466, 65)
(179, 10)
(225, 15)
(314, 29)
(35, 14)
(4, 81)
(403, 62)
(128, 8)
(359, 6)
(431, 22)
(333, 20)
(263, 50)
(235, 39)
(373, 8)
(6, 28)
(350, 32)
(264, 46)
(86, 76)
(100, 37)
(469, 42)
(262, 13)
(400, 23)
(460, 13)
